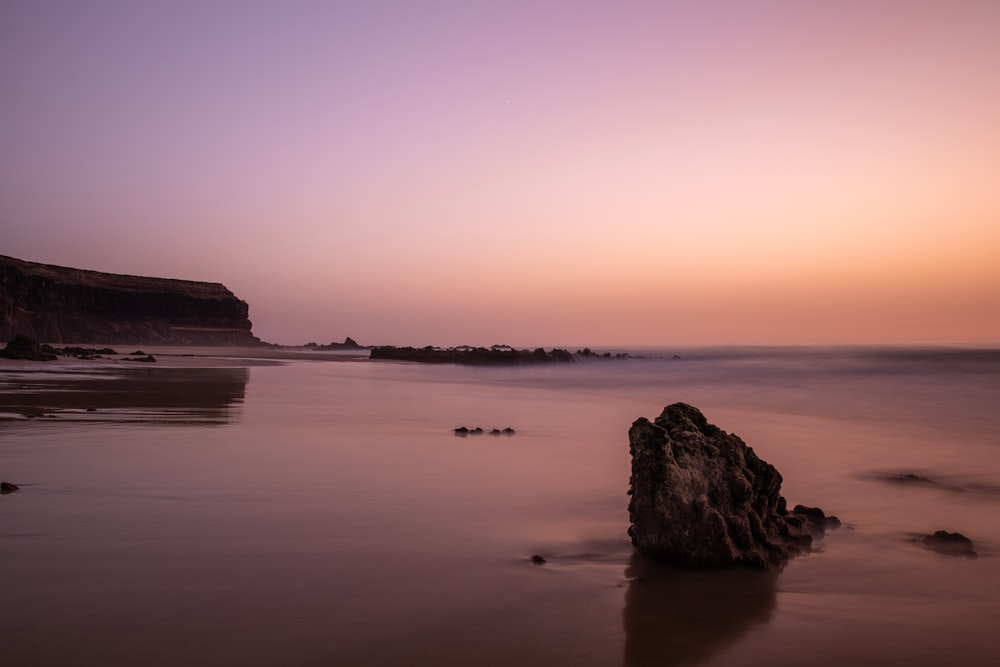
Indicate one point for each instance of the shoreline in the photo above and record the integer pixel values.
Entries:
(186, 356)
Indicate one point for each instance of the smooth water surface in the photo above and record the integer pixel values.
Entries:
(324, 513)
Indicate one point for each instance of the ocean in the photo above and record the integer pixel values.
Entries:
(224, 509)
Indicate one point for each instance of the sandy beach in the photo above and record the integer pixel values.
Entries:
(259, 507)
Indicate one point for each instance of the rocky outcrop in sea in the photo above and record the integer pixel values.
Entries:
(25, 349)
(701, 498)
(498, 355)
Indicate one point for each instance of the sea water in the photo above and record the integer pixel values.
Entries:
(316, 512)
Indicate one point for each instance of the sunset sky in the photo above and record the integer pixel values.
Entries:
(529, 173)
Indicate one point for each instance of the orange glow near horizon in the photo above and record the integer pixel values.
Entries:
(603, 174)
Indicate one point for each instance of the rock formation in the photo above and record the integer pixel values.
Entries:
(348, 344)
(63, 305)
(701, 498)
(498, 355)
(22, 347)
(951, 544)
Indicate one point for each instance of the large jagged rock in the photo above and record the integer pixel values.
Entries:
(62, 305)
(701, 498)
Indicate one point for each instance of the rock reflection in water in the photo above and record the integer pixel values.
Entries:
(677, 617)
(156, 395)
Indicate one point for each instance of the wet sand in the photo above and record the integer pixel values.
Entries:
(232, 507)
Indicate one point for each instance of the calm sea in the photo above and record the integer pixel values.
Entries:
(318, 512)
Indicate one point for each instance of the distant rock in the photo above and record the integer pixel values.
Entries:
(7, 487)
(951, 544)
(701, 498)
(463, 431)
(24, 348)
(498, 355)
(348, 344)
(84, 352)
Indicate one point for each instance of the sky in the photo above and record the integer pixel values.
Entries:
(524, 173)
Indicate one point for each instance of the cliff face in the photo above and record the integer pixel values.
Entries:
(56, 304)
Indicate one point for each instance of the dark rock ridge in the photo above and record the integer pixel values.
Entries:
(62, 305)
(463, 431)
(701, 498)
(348, 344)
(498, 355)
(7, 487)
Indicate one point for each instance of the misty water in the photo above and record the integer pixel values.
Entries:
(319, 512)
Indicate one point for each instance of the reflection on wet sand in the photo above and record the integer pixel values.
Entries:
(676, 617)
(151, 395)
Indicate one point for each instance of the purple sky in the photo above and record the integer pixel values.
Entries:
(531, 173)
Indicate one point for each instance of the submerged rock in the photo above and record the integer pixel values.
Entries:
(701, 498)
(951, 544)
(463, 431)
(908, 478)
(812, 520)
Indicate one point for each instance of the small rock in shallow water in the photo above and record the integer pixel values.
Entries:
(814, 521)
(951, 544)
(461, 430)
(909, 478)
(538, 560)
(7, 487)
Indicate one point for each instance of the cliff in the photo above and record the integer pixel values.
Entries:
(56, 304)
